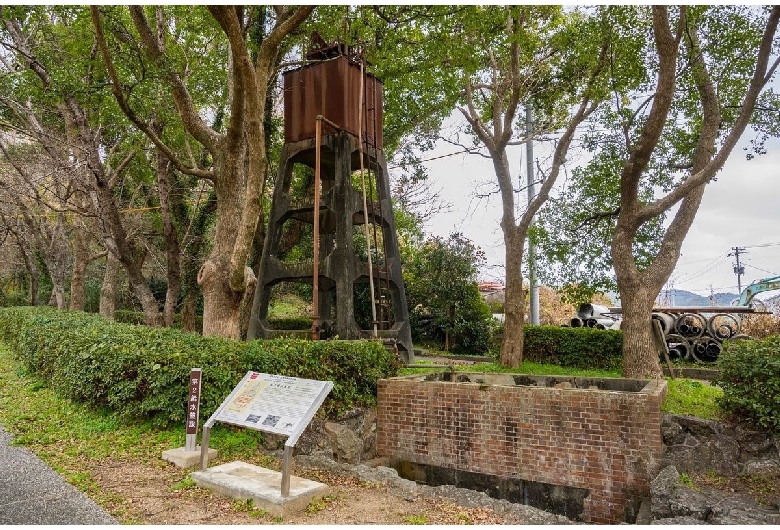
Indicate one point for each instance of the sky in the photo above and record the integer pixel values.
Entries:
(740, 209)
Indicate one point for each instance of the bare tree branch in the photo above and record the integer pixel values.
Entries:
(116, 88)
(181, 96)
(757, 84)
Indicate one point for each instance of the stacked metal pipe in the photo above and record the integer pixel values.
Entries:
(691, 336)
(594, 316)
(696, 336)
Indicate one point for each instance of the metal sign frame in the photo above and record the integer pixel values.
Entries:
(292, 437)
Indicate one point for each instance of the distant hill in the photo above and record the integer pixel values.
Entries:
(680, 298)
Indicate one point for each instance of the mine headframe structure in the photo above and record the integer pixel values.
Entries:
(333, 127)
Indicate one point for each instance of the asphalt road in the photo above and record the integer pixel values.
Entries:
(32, 493)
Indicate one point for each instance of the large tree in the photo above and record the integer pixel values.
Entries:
(238, 164)
(693, 88)
(541, 56)
(683, 38)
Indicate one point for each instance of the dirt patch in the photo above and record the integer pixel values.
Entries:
(135, 492)
(764, 489)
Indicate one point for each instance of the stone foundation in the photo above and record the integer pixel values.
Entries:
(696, 445)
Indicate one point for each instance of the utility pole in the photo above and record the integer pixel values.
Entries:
(529, 150)
(739, 270)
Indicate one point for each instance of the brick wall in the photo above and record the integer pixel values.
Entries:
(607, 442)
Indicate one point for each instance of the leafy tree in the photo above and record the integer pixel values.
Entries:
(245, 47)
(692, 83)
(539, 55)
(55, 103)
(441, 290)
(29, 216)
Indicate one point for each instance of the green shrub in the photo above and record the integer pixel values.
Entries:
(750, 379)
(137, 317)
(574, 347)
(143, 372)
(290, 323)
(127, 316)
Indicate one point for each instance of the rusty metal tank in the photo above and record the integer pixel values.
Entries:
(331, 88)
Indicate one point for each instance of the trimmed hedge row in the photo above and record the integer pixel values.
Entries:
(574, 347)
(143, 372)
(750, 379)
(291, 323)
(137, 317)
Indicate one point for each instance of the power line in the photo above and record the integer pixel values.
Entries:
(434, 158)
(760, 269)
(702, 271)
(760, 246)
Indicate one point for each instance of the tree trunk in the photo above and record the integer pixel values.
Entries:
(221, 315)
(637, 296)
(640, 356)
(108, 290)
(188, 311)
(117, 242)
(222, 298)
(514, 301)
(80, 260)
(56, 259)
(32, 270)
(166, 185)
(190, 275)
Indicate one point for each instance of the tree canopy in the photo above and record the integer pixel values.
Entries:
(144, 137)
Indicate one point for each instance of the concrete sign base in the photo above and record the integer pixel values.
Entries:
(183, 458)
(239, 480)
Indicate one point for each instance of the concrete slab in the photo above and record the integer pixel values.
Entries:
(239, 480)
(185, 459)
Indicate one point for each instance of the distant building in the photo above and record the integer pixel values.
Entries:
(490, 287)
(491, 291)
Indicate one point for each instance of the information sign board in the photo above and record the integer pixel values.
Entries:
(273, 403)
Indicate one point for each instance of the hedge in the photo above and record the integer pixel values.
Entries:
(143, 372)
(137, 317)
(750, 379)
(574, 347)
(290, 323)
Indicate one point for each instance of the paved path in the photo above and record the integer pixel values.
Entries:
(32, 493)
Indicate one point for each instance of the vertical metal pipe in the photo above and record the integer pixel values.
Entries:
(315, 304)
(286, 469)
(529, 148)
(204, 448)
(365, 203)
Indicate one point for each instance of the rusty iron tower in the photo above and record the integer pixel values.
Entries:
(333, 128)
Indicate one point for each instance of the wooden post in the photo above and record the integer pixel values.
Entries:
(661, 346)
(193, 410)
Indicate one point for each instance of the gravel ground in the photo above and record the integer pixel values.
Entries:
(410, 490)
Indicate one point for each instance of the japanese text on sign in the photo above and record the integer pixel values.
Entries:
(193, 403)
(272, 403)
